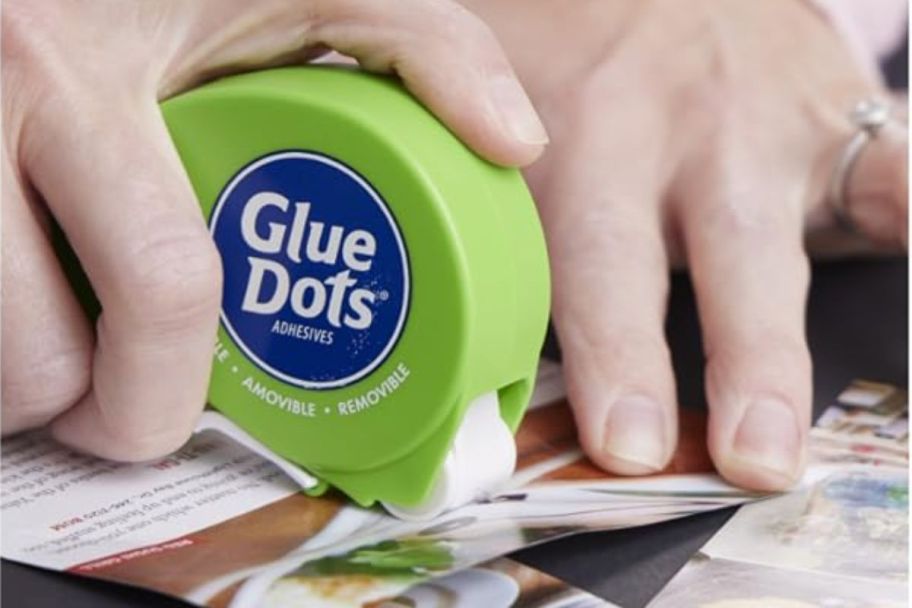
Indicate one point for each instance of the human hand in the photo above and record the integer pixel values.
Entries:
(84, 144)
(702, 132)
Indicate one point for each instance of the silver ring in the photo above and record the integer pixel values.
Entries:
(868, 116)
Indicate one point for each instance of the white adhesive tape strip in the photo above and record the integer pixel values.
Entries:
(214, 421)
(482, 458)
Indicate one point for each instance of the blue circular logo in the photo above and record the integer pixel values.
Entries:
(316, 287)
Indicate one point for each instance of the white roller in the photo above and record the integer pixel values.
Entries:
(482, 459)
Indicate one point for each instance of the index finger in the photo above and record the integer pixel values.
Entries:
(448, 58)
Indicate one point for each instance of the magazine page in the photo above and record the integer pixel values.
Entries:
(841, 540)
(219, 526)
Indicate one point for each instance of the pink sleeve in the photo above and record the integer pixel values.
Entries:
(872, 28)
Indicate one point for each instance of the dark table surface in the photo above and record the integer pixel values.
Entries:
(857, 327)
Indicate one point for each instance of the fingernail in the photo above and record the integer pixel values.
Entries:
(516, 111)
(635, 431)
(768, 437)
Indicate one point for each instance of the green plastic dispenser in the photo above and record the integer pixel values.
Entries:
(385, 290)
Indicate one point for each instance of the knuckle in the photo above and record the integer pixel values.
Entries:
(469, 29)
(51, 72)
(628, 360)
(752, 217)
(602, 345)
(602, 76)
(28, 53)
(21, 31)
(172, 278)
(447, 26)
(448, 18)
(787, 346)
(763, 357)
(39, 386)
(33, 47)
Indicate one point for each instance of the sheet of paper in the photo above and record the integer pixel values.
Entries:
(61, 508)
(841, 540)
(219, 526)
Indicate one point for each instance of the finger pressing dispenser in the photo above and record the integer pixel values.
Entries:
(385, 290)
